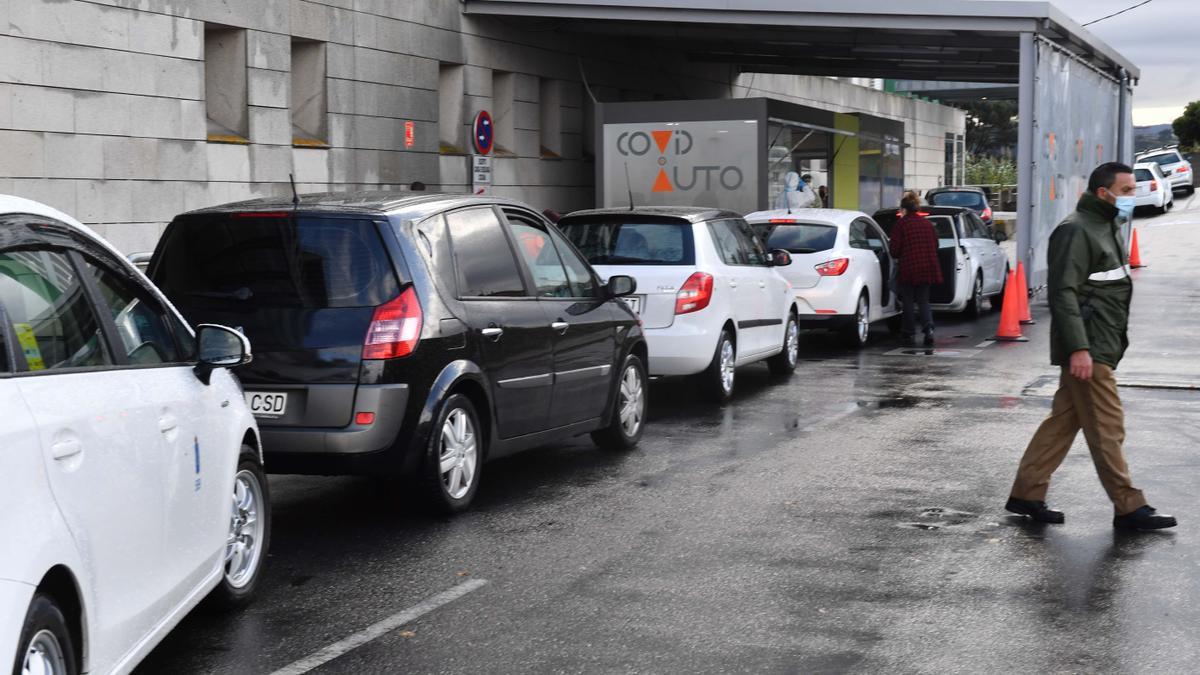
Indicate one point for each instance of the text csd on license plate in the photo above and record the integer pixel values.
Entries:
(266, 404)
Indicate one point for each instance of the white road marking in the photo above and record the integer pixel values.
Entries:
(378, 629)
(985, 343)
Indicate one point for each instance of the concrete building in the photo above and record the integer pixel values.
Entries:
(127, 112)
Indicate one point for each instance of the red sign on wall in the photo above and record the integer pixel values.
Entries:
(409, 134)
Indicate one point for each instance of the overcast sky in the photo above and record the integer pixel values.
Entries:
(1162, 39)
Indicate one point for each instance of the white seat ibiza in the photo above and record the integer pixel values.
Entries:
(132, 486)
(841, 271)
(708, 293)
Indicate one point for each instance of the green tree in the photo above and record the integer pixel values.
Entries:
(1187, 125)
(991, 128)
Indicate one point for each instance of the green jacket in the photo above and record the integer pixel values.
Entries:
(1089, 285)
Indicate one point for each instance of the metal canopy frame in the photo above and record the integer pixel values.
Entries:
(938, 40)
(995, 44)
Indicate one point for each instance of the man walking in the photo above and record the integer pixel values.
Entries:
(915, 242)
(1089, 292)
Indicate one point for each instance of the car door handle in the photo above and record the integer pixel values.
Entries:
(66, 448)
(493, 332)
(167, 424)
(560, 326)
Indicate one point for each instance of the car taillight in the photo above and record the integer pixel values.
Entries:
(395, 328)
(695, 294)
(1154, 186)
(833, 268)
(987, 213)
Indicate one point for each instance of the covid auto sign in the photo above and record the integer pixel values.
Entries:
(710, 163)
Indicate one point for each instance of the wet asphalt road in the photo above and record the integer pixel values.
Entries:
(847, 519)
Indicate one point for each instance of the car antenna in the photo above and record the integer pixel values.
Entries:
(295, 195)
(628, 186)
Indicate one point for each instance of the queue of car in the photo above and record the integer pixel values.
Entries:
(394, 335)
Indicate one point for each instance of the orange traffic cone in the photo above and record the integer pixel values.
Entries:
(1010, 322)
(1023, 296)
(1135, 258)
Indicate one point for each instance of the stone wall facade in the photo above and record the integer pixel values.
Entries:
(104, 113)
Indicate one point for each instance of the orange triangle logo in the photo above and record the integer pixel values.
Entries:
(662, 183)
(662, 138)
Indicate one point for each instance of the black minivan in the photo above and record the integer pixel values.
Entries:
(410, 335)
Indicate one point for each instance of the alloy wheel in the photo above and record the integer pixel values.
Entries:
(633, 401)
(243, 548)
(44, 656)
(792, 341)
(978, 293)
(863, 319)
(727, 365)
(459, 454)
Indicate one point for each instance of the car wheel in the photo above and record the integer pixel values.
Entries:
(974, 308)
(454, 457)
(624, 430)
(784, 363)
(1191, 189)
(45, 645)
(718, 379)
(249, 536)
(858, 329)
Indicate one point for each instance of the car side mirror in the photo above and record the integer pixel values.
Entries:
(621, 285)
(219, 347)
(781, 258)
(1000, 236)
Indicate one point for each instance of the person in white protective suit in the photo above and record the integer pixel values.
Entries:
(796, 194)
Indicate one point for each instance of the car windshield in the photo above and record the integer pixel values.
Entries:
(623, 241)
(1162, 159)
(275, 261)
(798, 237)
(972, 200)
(1142, 175)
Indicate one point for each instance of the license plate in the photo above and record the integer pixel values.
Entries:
(266, 404)
(634, 302)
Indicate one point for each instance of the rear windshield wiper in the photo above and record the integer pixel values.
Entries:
(242, 293)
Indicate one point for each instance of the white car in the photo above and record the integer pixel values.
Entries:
(1153, 188)
(1174, 166)
(841, 272)
(974, 267)
(708, 294)
(132, 485)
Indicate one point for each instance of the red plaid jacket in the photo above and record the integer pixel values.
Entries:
(915, 243)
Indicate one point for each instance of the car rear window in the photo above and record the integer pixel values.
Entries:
(967, 199)
(1142, 174)
(276, 261)
(798, 237)
(1163, 158)
(943, 225)
(624, 241)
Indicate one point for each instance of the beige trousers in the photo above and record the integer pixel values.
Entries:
(1094, 407)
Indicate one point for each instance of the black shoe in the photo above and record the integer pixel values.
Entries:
(1145, 518)
(929, 339)
(1036, 510)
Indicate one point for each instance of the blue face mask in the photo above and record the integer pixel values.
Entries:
(1125, 206)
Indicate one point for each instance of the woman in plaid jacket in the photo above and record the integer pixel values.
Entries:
(914, 241)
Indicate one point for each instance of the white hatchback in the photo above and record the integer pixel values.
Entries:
(131, 484)
(1174, 166)
(1153, 188)
(841, 271)
(708, 294)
